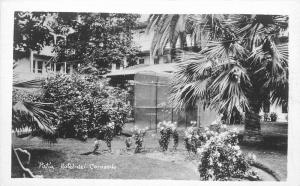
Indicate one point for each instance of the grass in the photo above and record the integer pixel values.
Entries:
(123, 164)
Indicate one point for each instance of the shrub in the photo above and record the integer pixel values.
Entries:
(273, 117)
(105, 133)
(168, 129)
(85, 105)
(196, 136)
(220, 158)
(138, 136)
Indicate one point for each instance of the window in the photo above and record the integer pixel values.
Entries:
(33, 66)
(141, 61)
(37, 66)
(52, 66)
(40, 67)
(58, 67)
(68, 68)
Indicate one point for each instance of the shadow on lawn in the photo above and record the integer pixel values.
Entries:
(38, 158)
(270, 142)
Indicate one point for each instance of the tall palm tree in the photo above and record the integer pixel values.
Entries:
(243, 63)
(37, 117)
(168, 29)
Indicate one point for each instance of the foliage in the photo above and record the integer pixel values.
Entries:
(24, 95)
(273, 116)
(167, 129)
(30, 32)
(97, 39)
(29, 114)
(196, 136)
(242, 62)
(220, 157)
(105, 133)
(168, 29)
(85, 105)
(138, 136)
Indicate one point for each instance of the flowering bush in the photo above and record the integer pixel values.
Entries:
(85, 105)
(217, 151)
(168, 129)
(220, 158)
(196, 136)
(138, 136)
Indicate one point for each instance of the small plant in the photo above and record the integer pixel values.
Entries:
(105, 133)
(168, 129)
(273, 117)
(138, 136)
(109, 134)
(266, 117)
(175, 139)
(128, 142)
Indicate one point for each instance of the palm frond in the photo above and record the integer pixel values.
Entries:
(36, 83)
(33, 115)
(258, 27)
(281, 53)
(278, 85)
(167, 28)
(221, 86)
(229, 90)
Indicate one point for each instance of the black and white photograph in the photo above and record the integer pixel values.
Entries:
(150, 96)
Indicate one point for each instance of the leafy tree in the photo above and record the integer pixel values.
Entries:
(31, 32)
(243, 63)
(97, 39)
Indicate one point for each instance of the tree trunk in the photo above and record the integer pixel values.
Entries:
(252, 132)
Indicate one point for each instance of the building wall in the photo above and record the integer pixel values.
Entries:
(281, 117)
(25, 69)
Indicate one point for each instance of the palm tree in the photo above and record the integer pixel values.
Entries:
(169, 28)
(37, 117)
(243, 63)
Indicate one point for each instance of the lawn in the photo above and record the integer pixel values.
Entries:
(64, 160)
(121, 164)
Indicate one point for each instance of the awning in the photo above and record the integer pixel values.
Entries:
(162, 69)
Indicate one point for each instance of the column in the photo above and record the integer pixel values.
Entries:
(31, 60)
(125, 62)
(151, 60)
(71, 68)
